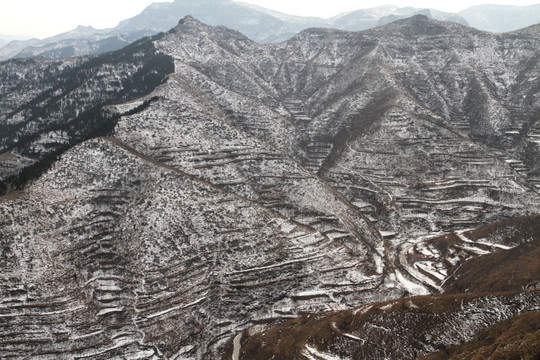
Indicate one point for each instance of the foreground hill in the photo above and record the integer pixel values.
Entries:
(406, 329)
(164, 198)
(483, 322)
(113, 253)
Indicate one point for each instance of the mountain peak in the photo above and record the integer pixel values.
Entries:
(420, 25)
(191, 25)
(189, 21)
(419, 17)
(188, 18)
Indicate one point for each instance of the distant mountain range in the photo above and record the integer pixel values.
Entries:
(5, 39)
(501, 18)
(259, 24)
(79, 41)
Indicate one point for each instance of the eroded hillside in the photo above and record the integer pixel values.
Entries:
(489, 309)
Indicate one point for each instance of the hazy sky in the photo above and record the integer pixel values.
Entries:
(43, 18)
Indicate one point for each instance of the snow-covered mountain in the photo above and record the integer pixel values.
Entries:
(257, 23)
(165, 198)
(368, 18)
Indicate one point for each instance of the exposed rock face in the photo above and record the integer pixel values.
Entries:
(236, 184)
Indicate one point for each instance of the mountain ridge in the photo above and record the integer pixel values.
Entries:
(260, 24)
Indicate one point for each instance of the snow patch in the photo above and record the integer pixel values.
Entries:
(500, 246)
(287, 227)
(236, 346)
(463, 237)
(474, 250)
(309, 293)
(411, 287)
(379, 264)
(313, 354)
(362, 310)
(110, 310)
(412, 305)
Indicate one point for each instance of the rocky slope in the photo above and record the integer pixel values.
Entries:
(358, 115)
(208, 184)
(128, 256)
(496, 317)
(48, 106)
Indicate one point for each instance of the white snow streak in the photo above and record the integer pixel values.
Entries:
(313, 354)
(236, 347)
(411, 287)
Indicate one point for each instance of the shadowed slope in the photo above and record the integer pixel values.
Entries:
(482, 322)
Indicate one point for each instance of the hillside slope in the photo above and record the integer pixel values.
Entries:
(482, 322)
(126, 255)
